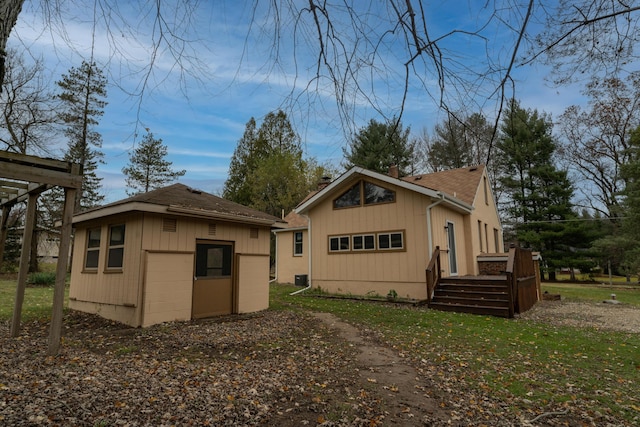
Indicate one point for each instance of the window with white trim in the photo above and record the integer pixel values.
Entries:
(339, 244)
(364, 242)
(297, 243)
(387, 241)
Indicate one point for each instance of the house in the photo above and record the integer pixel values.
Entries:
(367, 233)
(174, 253)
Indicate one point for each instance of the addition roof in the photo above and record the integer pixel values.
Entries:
(461, 183)
(181, 200)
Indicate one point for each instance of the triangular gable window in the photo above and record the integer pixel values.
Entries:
(365, 193)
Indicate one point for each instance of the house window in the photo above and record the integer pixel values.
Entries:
(496, 238)
(213, 260)
(339, 244)
(297, 243)
(115, 254)
(486, 190)
(365, 193)
(480, 236)
(349, 198)
(93, 249)
(388, 241)
(364, 242)
(486, 235)
(375, 194)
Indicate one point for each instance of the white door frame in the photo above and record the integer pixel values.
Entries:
(452, 249)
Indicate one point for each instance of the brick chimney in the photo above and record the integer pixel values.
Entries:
(326, 180)
(393, 171)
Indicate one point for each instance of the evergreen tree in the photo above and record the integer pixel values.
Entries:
(147, 168)
(82, 96)
(538, 204)
(630, 233)
(275, 135)
(267, 171)
(450, 147)
(380, 145)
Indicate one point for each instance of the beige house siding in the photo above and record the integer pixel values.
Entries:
(373, 272)
(252, 291)
(168, 287)
(100, 286)
(121, 295)
(288, 264)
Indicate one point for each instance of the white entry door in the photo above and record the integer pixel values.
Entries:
(451, 240)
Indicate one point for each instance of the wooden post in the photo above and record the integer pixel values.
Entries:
(55, 332)
(6, 210)
(24, 263)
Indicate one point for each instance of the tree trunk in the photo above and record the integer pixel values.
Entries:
(9, 11)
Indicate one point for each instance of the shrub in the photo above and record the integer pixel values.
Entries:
(44, 278)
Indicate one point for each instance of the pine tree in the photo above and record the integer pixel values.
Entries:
(82, 104)
(147, 168)
(538, 204)
(380, 145)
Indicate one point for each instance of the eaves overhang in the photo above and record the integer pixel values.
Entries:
(163, 209)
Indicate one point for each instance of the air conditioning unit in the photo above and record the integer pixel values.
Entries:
(301, 279)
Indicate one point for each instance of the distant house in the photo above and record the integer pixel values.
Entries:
(170, 254)
(367, 233)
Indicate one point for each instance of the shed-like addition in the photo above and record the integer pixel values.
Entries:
(174, 253)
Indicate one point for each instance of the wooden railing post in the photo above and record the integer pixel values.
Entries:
(433, 274)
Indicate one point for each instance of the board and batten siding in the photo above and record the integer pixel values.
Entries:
(372, 272)
(119, 295)
(119, 287)
(190, 229)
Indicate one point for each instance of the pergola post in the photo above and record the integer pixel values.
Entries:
(24, 263)
(6, 210)
(55, 333)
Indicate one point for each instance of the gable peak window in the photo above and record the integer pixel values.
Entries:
(364, 193)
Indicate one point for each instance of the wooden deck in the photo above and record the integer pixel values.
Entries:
(499, 295)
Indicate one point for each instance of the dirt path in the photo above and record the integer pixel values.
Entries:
(405, 394)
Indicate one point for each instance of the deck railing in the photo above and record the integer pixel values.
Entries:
(521, 278)
(433, 273)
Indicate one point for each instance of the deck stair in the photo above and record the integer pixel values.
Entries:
(499, 295)
(484, 295)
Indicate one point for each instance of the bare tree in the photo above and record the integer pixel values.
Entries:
(598, 140)
(377, 54)
(27, 109)
(582, 38)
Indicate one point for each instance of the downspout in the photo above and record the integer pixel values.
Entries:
(429, 233)
(276, 259)
(309, 251)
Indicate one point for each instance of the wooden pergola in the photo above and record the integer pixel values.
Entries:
(24, 177)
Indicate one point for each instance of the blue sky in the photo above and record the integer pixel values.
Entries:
(201, 120)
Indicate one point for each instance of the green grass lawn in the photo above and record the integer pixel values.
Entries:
(38, 301)
(516, 361)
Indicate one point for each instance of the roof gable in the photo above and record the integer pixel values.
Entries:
(413, 185)
(462, 183)
(180, 199)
